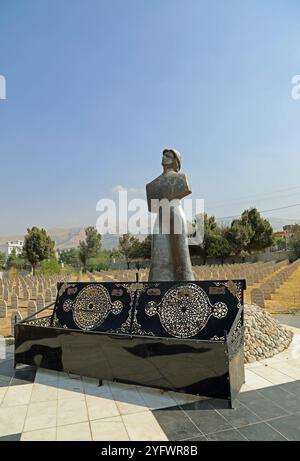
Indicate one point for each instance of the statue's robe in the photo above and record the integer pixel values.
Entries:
(170, 258)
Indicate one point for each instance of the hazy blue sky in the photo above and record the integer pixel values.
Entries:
(97, 88)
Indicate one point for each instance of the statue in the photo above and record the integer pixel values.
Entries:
(170, 257)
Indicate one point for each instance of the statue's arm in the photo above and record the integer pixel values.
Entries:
(186, 186)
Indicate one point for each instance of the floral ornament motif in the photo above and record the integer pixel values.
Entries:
(92, 306)
(67, 306)
(184, 310)
(220, 310)
(66, 286)
(40, 322)
(235, 288)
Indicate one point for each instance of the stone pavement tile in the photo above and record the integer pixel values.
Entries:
(5, 381)
(182, 398)
(273, 375)
(11, 438)
(200, 438)
(112, 429)
(91, 387)
(261, 432)
(71, 411)
(41, 435)
(3, 390)
(293, 387)
(64, 394)
(205, 417)
(116, 387)
(74, 432)
(69, 387)
(47, 377)
(264, 408)
(254, 381)
(12, 419)
(129, 401)
(226, 436)
(176, 424)
(289, 369)
(40, 416)
(6, 369)
(288, 426)
(43, 393)
(282, 398)
(17, 395)
(253, 365)
(245, 388)
(156, 398)
(238, 416)
(101, 407)
(143, 426)
(22, 375)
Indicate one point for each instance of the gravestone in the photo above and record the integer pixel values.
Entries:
(34, 292)
(257, 297)
(14, 301)
(6, 294)
(40, 302)
(32, 308)
(25, 294)
(48, 297)
(3, 309)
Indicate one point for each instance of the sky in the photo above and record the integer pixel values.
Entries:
(96, 89)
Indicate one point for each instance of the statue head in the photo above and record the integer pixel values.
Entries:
(171, 160)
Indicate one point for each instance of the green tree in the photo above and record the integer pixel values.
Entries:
(15, 261)
(261, 230)
(90, 247)
(38, 246)
(210, 227)
(219, 244)
(239, 236)
(128, 245)
(2, 259)
(294, 242)
(99, 262)
(142, 250)
(49, 267)
(70, 257)
(280, 243)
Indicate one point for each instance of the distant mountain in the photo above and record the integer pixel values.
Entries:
(70, 237)
(67, 238)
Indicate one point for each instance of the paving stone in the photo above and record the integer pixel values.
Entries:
(229, 435)
(205, 417)
(288, 426)
(176, 424)
(261, 432)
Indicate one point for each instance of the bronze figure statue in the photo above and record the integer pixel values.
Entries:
(170, 258)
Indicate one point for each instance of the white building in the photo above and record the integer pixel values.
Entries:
(10, 246)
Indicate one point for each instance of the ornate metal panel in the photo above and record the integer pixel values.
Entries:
(198, 310)
(93, 307)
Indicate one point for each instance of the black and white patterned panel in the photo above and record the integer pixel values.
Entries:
(93, 307)
(198, 310)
